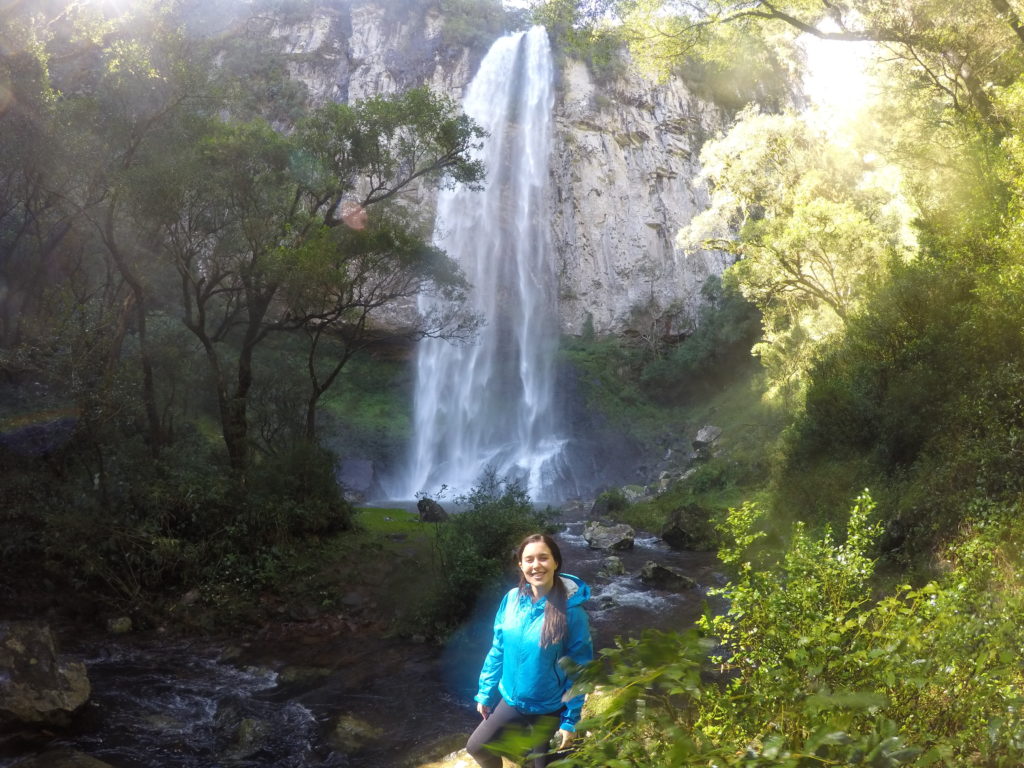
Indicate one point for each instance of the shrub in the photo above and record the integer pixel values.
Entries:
(476, 546)
(807, 667)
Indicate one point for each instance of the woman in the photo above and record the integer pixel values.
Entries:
(522, 684)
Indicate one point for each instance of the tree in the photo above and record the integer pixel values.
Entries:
(247, 217)
(812, 223)
(961, 52)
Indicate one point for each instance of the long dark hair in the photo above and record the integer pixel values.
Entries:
(555, 621)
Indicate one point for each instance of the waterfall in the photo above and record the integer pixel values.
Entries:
(490, 404)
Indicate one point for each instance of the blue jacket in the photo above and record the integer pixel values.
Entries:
(527, 676)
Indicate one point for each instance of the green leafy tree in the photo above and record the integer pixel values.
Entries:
(251, 220)
(813, 225)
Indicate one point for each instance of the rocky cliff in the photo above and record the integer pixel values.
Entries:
(623, 163)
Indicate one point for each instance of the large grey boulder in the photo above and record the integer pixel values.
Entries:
(666, 577)
(706, 437)
(614, 537)
(37, 687)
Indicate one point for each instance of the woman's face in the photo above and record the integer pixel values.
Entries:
(538, 566)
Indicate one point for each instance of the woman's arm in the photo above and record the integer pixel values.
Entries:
(580, 650)
(490, 674)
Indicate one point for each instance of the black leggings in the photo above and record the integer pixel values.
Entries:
(506, 720)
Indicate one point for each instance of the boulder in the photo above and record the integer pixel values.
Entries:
(121, 625)
(665, 577)
(61, 758)
(634, 493)
(430, 511)
(706, 437)
(614, 537)
(37, 687)
(612, 567)
(351, 733)
(688, 528)
(461, 759)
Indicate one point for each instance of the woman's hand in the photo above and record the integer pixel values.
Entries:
(484, 710)
(565, 739)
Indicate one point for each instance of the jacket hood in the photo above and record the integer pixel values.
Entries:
(577, 591)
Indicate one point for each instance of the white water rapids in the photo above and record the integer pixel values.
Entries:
(490, 404)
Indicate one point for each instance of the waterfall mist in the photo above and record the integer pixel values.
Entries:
(491, 404)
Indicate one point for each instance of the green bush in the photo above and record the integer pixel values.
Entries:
(136, 537)
(808, 665)
(476, 546)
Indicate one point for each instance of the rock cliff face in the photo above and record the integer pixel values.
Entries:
(623, 162)
(623, 171)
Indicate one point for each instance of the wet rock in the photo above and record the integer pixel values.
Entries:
(122, 625)
(665, 577)
(614, 537)
(250, 737)
(688, 528)
(351, 733)
(430, 511)
(612, 567)
(305, 675)
(61, 758)
(37, 687)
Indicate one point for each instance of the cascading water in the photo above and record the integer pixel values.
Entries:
(490, 404)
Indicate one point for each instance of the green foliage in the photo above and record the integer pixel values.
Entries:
(476, 545)
(580, 30)
(813, 226)
(726, 328)
(153, 531)
(472, 23)
(807, 665)
(369, 415)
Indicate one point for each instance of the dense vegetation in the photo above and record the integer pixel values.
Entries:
(883, 256)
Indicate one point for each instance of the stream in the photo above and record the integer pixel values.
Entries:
(333, 700)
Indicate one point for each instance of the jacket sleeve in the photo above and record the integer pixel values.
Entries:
(490, 674)
(580, 649)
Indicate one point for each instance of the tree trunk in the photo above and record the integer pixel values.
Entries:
(155, 433)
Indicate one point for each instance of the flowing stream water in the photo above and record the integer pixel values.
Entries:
(491, 404)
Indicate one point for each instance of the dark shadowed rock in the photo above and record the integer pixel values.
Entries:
(36, 686)
(430, 511)
(612, 566)
(665, 577)
(706, 435)
(614, 537)
(688, 528)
